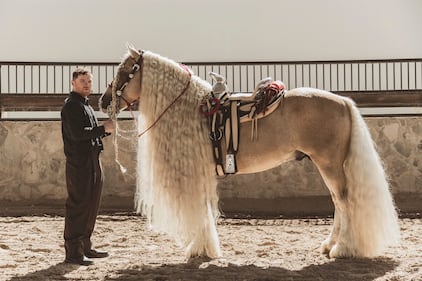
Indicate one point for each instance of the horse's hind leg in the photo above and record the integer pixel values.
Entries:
(331, 240)
(335, 179)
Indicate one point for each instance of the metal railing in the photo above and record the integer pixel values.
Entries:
(336, 76)
(50, 77)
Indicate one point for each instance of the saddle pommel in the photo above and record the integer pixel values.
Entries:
(220, 85)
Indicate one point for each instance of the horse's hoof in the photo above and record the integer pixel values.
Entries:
(326, 247)
(198, 259)
(338, 251)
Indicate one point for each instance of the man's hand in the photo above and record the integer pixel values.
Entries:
(109, 126)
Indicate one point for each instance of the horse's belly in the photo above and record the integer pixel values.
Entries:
(271, 148)
(254, 163)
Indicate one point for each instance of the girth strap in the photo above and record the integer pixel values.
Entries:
(232, 132)
(215, 121)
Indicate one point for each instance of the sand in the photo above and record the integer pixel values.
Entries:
(31, 248)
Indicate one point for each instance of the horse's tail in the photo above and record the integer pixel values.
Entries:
(373, 221)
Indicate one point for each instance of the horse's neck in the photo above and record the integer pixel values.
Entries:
(202, 87)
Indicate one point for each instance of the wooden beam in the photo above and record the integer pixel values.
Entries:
(54, 102)
(385, 98)
(38, 102)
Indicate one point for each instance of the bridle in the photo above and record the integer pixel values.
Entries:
(118, 88)
(116, 95)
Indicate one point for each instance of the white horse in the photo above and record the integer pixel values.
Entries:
(176, 186)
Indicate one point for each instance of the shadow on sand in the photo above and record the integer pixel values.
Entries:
(54, 272)
(341, 269)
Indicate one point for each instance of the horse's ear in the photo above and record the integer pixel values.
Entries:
(132, 50)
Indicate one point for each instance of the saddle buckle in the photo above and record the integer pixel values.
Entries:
(230, 165)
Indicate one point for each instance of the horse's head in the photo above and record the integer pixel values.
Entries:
(124, 90)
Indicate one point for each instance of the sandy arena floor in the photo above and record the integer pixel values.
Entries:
(31, 248)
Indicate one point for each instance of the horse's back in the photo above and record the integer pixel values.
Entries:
(319, 120)
(314, 104)
(317, 98)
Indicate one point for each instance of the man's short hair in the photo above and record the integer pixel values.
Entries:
(80, 71)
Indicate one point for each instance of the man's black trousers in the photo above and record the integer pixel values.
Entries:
(84, 185)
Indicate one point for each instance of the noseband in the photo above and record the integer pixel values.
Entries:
(117, 92)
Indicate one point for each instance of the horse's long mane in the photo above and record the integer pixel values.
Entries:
(175, 152)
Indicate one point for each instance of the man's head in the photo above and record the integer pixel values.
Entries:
(82, 81)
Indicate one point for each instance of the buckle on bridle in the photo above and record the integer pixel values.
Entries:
(135, 67)
(121, 89)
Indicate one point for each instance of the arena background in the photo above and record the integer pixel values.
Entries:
(32, 169)
(218, 30)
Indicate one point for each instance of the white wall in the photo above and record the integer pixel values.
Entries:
(218, 30)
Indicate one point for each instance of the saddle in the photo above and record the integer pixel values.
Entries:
(225, 112)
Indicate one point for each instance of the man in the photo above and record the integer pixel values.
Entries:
(82, 146)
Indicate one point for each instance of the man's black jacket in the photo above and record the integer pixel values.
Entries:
(80, 129)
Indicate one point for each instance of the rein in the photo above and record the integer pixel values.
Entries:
(170, 105)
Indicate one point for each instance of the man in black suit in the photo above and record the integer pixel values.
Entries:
(82, 147)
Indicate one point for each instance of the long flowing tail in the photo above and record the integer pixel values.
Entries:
(373, 221)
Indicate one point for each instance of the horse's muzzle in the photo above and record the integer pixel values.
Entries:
(105, 100)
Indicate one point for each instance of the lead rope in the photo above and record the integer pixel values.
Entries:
(113, 116)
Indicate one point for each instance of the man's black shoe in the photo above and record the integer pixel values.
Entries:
(79, 261)
(95, 254)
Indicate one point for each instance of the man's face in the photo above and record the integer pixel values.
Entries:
(82, 85)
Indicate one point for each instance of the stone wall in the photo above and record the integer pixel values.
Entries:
(296, 187)
(32, 172)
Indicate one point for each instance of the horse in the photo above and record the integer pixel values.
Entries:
(176, 182)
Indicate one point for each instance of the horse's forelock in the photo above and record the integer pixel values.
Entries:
(124, 60)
